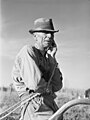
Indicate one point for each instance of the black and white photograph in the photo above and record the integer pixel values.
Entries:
(44, 59)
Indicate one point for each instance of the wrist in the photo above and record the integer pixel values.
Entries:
(53, 61)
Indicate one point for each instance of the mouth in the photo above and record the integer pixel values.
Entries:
(47, 42)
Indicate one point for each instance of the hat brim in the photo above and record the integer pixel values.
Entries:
(43, 30)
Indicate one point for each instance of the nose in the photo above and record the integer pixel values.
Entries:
(49, 35)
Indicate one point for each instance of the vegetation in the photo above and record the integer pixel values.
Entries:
(80, 112)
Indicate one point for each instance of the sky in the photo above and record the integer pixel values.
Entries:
(71, 17)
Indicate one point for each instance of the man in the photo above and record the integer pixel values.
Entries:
(36, 71)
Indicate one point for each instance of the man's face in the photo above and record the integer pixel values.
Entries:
(45, 39)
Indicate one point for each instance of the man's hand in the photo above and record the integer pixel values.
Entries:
(51, 55)
(52, 51)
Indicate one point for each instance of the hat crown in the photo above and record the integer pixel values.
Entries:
(43, 23)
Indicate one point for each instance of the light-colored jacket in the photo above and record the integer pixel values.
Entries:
(33, 70)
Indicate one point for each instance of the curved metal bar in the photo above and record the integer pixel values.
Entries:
(68, 105)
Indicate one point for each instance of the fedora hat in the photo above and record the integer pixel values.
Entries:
(43, 25)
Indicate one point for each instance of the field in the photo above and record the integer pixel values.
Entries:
(9, 97)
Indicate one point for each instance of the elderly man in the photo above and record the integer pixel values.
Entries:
(36, 71)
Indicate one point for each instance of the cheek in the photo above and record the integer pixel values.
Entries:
(40, 39)
(43, 39)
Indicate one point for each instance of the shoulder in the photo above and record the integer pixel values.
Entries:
(27, 49)
(23, 53)
(30, 50)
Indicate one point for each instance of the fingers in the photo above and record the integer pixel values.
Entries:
(52, 52)
(36, 102)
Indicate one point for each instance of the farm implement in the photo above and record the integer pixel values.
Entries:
(59, 113)
(56, 116)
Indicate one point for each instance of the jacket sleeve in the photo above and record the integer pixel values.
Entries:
(57, 82)
(57, 79)
(25, 74)
(17, 77)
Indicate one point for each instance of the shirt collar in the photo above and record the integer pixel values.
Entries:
(43, 52)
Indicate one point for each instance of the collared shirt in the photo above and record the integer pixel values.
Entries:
(33, 70)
